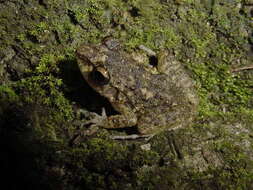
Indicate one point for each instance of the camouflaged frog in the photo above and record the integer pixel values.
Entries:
(152, 98)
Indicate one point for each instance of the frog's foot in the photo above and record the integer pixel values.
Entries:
(97, 120)
(131, 137)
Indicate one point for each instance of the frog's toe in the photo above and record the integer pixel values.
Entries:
(104, 113)
(98, 120)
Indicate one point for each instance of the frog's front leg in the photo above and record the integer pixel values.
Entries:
(125, 118)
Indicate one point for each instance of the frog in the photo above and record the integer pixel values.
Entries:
(149, 97)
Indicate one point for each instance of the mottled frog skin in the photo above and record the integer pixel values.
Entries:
(154, 98)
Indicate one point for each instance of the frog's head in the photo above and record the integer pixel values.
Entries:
(91, 61)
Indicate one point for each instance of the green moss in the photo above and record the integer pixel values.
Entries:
(8, 94)
(42, 87)
(239, 167)
(40, 31)
(40, 99)
(21, 37)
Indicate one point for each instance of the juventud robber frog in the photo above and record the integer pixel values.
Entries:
(152, 99)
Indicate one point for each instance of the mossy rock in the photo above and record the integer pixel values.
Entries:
(41, 91)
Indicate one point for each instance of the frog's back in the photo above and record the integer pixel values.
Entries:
(166, 100)
(148, 89)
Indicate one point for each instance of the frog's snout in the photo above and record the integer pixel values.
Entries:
(84, 52)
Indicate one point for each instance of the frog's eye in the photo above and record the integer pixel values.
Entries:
(100, 76)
